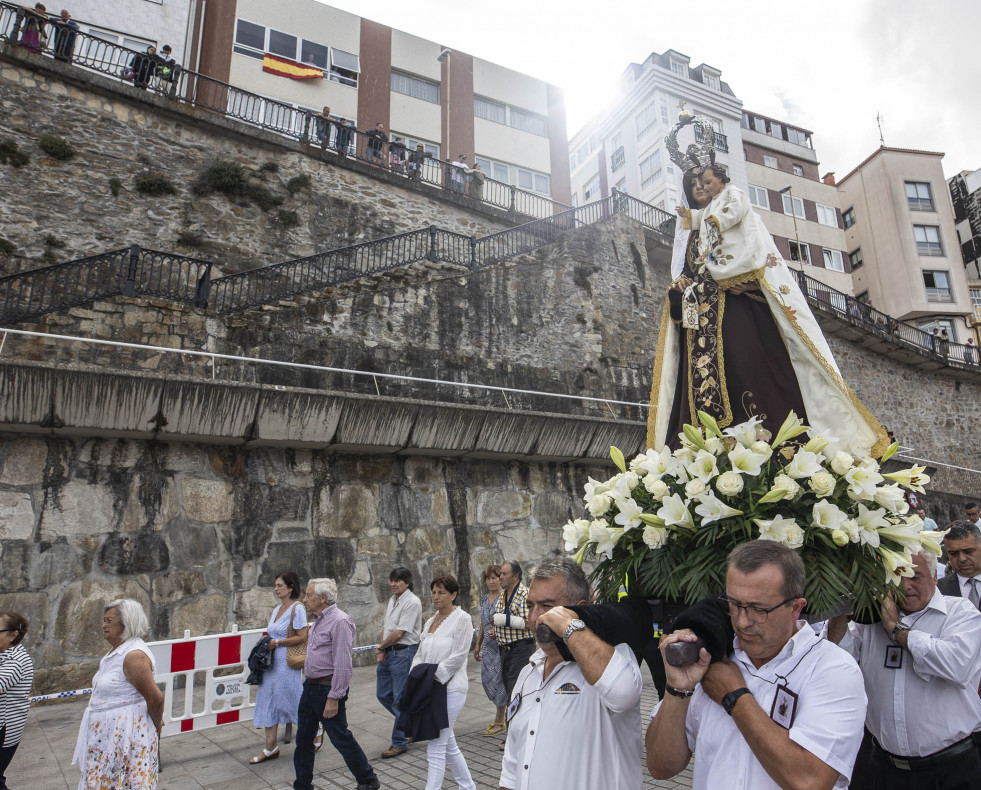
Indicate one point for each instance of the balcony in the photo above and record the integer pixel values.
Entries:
(720, 142)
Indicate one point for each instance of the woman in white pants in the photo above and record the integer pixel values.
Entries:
(445, 641)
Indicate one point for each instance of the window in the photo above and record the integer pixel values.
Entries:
(776, 130)
(616, 161)
(431, 148)
(798, 209)
(928, 240)
(622, 187)
(501, 173)
(591, 190)
(490, 110)
(937, 286)
(664, 112)
(522, 178)
(646, 120)
(848, 217)
(827, 215)
(918, 196)
(616, 141)
(542, 184)
(416, 87)
(711, 82)
(770, 161)
(855, 259)
(759, 197)
(833, 260)
(344, 67)
(250, 35)
(525, 121)
(976, 299)
(679, 68)
(798, 171)
(759, 124)
(575, 198)
(314, 54)
(282, 44)
(797, 137)
(799, 253)
(525, 180)
(650, 169)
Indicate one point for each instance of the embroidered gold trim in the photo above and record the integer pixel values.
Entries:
(742, 279)
(726, 420)
(658, 365)
(883, 438)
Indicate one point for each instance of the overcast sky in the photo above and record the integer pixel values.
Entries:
(827, 66)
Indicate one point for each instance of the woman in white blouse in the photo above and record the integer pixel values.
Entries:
(445, 642)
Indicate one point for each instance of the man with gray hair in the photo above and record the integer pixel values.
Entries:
(963, 545)
(572, 723)
(327, 672)
(921, 666)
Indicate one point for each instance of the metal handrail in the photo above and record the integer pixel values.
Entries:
(848, 308)
(153, 74)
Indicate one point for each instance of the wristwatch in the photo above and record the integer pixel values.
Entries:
(575, 625)
(900, 627)
(729, 700)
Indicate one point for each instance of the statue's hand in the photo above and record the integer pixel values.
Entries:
(680, 284)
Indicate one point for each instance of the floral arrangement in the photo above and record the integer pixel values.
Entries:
(667, 523)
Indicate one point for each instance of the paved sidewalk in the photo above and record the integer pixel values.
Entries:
(217, 759)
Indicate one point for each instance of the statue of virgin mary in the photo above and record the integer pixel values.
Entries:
(749, 346)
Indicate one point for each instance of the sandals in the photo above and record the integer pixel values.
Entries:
(264, 755)
(319, 740)
(496, 728)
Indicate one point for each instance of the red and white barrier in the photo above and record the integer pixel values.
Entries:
(198, 661)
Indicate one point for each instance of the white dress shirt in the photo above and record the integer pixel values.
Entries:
(404, 613)
(827, 722)
(965, 583)
(932, 701)
(569, 734)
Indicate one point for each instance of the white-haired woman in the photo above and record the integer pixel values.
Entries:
(118, 740)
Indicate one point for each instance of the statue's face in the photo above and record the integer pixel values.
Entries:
(710, 183)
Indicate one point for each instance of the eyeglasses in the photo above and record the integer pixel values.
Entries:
(755, 614)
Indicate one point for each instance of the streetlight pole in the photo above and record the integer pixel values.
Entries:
(444, 57)
(793, 213)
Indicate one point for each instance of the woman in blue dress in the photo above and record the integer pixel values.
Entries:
(279, 692)
(488, 653)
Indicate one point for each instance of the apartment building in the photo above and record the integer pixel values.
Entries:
(901, 240)
(623, 147)
(368, 73)
(798, 208)
(965, 194)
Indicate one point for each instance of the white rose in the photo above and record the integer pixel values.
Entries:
(729, 483)
(655, 537)
(656, 487)
(822, 484)
(695, 488)
(715, 445)
(793, 536)
(788, 484)
(599, 504)
(841, 463)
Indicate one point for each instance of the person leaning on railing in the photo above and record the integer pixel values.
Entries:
(35, 36)
(65, 29)
(417, 159)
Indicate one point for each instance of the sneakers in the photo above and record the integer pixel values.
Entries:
(393, 751)
(374, 784)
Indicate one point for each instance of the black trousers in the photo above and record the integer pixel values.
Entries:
(513, 661)
(6, 755)
(962, 772)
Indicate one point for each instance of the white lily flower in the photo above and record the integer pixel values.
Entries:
(747, 461)
(629, 515)
(711, 508)
(624, 486)
(930, 541)
(892, 499)
(827, 516)
(803, 464)
(594, 487)
(762, 448)
(854, 531)
(792, 427)
(868, 522)
(655, 463)
(684, 455)
(745, 432)
(655, 537)
(599, 504)
(605, 538)
(781, 530)
(912, 478)
(575, 533)
(674, 513)
(896, 565)
(816, 444)
(906, 535)
(862, 482)
(703, 466)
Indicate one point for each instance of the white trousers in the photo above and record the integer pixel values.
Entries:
(444, 750)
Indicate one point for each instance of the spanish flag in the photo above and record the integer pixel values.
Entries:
(290, 68)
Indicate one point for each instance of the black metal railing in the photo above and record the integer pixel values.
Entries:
(132, 271)
(719, 141)
(847, 307)
(152, 73)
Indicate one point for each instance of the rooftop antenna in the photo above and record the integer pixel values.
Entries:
(878, 120)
